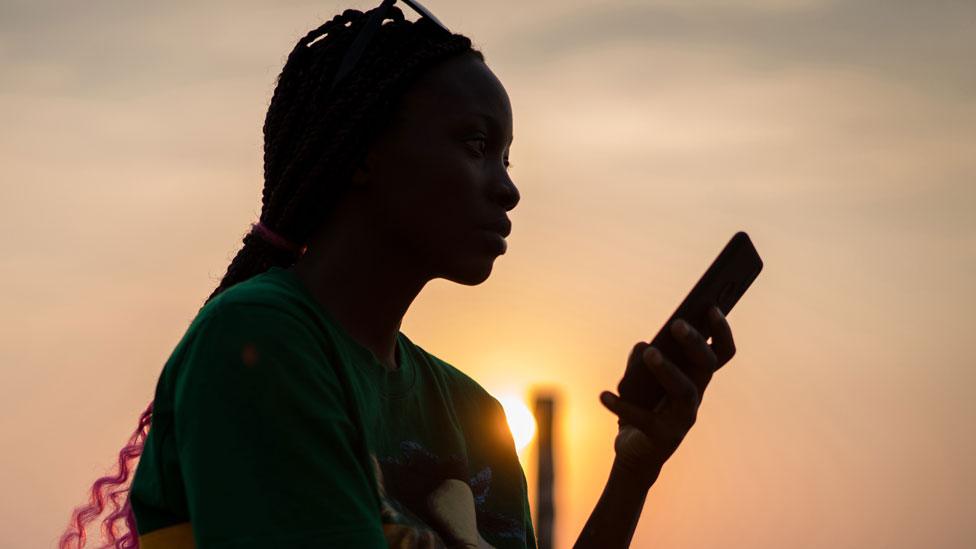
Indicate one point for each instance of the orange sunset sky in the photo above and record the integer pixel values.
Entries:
(841, 135)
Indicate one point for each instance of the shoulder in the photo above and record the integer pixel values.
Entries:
(267, 293)
(266, 305)
(462, 386)
(255, 332)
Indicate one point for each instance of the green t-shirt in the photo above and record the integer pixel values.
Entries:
(272, 427)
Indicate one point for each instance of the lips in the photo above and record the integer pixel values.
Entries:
(501, 226)
(497, 241)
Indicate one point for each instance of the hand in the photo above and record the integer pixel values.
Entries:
(647, 438)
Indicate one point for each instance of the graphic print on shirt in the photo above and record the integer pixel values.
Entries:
(430, 502)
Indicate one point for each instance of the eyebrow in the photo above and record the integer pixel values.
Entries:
(492, 121)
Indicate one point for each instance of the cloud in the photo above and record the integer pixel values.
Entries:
(111, 50)
(915, 43)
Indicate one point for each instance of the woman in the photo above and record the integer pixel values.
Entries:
(293, 412)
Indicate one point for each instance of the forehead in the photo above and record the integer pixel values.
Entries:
(460, 88)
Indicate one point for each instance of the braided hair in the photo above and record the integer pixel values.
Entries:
(315, 135)
(314, 138)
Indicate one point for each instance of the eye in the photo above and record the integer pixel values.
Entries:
(483, 141)
(483, 146)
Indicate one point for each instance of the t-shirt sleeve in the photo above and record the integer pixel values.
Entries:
(267, 449)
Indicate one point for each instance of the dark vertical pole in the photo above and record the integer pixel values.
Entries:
(545, 514)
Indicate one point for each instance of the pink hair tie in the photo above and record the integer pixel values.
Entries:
(275, 239)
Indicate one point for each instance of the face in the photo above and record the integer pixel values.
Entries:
(438, 179)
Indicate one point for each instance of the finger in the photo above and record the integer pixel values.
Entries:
(627, 412)
(696, 349)
(681, 390)
(722, 342)
(657, 426)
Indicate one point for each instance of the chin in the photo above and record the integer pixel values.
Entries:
(471, 273)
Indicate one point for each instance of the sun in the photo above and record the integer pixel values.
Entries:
(520, 420)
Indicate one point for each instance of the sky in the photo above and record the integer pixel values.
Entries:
(840, 135)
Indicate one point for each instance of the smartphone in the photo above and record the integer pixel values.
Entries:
(725, 281)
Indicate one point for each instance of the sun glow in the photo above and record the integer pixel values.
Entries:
(520, 420)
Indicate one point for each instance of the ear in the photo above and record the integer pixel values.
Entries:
(372, 161)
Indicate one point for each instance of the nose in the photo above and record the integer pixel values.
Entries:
(505, 192)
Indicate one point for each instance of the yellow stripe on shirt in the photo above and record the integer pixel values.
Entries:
(178, 536)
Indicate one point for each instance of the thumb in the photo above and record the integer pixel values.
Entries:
(626, 411)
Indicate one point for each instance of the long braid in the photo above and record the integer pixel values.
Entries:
(313, 139)
(289, 105)
(286, 104)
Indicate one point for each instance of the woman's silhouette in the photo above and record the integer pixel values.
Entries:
(293, 412)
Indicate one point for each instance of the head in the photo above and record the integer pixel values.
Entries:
(416, 135)
(387, 145)
(433, 186)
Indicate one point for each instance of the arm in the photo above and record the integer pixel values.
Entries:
(647, 438)
(613, 520)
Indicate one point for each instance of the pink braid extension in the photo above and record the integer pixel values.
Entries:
(121, 509)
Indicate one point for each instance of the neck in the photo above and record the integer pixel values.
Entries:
(364, 283)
